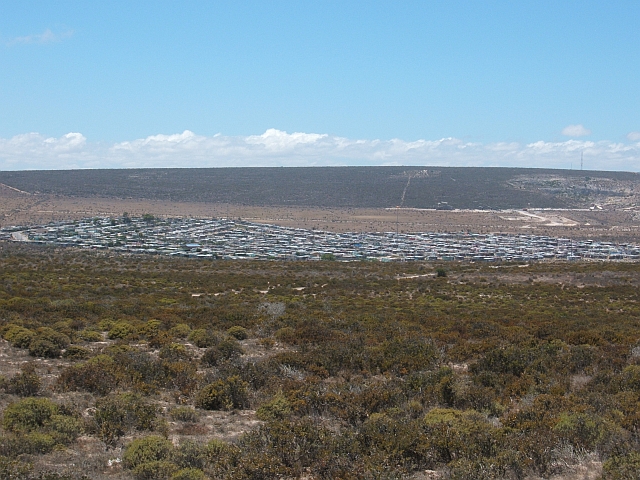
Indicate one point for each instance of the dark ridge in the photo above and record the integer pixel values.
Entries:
(430, 187)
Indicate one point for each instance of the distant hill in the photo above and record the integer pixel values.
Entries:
(418, 187)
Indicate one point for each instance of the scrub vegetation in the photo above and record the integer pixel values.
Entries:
(141, 367)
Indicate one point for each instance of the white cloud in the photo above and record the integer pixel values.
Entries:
(278, 148)
(41, 38)
(634, 136)
(575, 131)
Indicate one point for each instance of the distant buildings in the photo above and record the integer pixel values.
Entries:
(229, 239)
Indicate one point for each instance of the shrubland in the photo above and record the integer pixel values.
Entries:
(186, 369)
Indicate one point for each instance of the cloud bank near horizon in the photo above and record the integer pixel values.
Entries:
(33, 151)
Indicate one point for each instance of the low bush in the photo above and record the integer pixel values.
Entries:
(18, 336)
(624, 467)
(27, 383)
(34, 443)
(121, 330)
(116, 415)
(76, 352)
(183, 414)
(28, 414)
(275, 409)
(174, 352)
(223, 395)
(188, 474)
(59, 339)
(90, 335)
(96, 375)
(38, 425)
(452, 434)
(40, 347)
(286, 335)
(155, 470)
(181, 330)
(64, 428)
(146, 450)
(238, 332)
(227, 349)
(13, 469)
(190, 454)
(202, 338)
(150, 329)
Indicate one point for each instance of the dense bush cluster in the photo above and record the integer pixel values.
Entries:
(37, 425)
(479, 373)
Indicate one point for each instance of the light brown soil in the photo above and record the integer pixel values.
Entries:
(616, 224)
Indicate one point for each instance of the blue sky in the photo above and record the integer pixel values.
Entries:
(109, 84)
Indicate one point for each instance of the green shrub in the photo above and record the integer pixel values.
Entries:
(27, 383)
(225, 350)
(155, 470)
(34, 443)
(202, 338)
(591, 432)
(275, 409)
(182, 376)
(160, 340)
(238, 332)
(105, 324)
(174, 352)
(76, 352)
(481, 469)
(183, 414)
(117, 414)
(190, 455)
(458, 434)
(18, 336)
(630, 378)
(216, 448)
(96, 375)
(21, 337)
(182, 330)
(90, 335)
(286, 335)
(188, 474)
(59, 339)
(151, 328)
(64, 428)
(622, 468)
(28, 414)
(66, 327)
(223, 395)
(40, 347)
(38, 425)
(121, 330)
(13, 469)
(147, 449)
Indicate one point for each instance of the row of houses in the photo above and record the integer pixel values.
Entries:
(236, 239)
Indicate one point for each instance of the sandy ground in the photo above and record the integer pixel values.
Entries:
(21, 208)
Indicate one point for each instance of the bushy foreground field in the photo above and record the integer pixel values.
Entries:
(153, 368)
